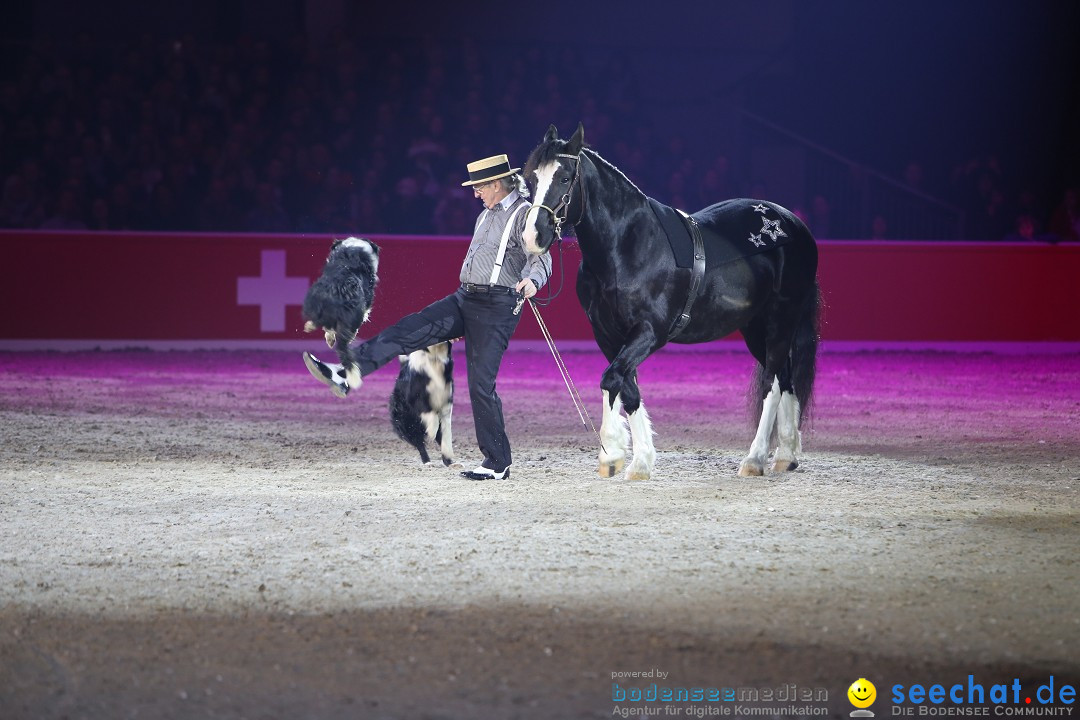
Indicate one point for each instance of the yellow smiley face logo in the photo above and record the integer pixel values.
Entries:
(862, 693)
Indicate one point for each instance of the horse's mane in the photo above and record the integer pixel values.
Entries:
(543, 154)
(601, 161)
(547, 152)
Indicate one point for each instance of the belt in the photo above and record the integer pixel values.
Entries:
(470, 288)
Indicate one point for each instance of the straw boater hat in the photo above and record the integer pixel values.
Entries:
(488, 169)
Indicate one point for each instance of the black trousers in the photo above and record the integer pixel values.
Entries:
(486, 320)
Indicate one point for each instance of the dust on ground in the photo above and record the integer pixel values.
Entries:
(212, 534)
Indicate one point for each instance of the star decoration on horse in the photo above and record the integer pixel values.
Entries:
(760, 208)
(756, 239)
(772, 228)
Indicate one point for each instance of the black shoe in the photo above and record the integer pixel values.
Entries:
(483, 473)
(326, 373)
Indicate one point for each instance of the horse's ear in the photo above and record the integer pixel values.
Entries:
(577, 140)
(552, 134)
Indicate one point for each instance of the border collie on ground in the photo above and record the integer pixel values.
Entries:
(423, 401)
(340, 300)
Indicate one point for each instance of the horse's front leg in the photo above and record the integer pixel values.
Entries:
(641, 432)
(613, 438)
(619, 384)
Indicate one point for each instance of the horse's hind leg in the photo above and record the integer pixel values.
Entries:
(788, 437)
(754, 462)
(780, 407)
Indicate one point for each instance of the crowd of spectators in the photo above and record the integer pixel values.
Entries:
(994, 212)
(255, 136)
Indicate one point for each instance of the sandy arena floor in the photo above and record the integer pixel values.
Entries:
(200, 534)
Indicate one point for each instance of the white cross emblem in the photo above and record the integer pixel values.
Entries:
(760, 208)
(272, 290)
(772, 228)
(756, 239)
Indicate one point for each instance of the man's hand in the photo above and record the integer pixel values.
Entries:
(526, 288)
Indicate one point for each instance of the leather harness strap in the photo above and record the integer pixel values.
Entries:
(697, 276)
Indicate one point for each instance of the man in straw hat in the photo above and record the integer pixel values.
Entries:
(495, 275)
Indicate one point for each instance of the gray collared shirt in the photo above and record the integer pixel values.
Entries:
(517, 264)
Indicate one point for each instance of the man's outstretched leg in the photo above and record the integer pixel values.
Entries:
(436, 323)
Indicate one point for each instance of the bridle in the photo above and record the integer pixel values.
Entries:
(564, 202)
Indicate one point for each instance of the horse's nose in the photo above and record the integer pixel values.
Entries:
(533, 233)
(530, 236)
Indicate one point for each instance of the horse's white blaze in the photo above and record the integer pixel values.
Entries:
(544, 176)
(788, 437)
(644, 452)
(759, 449)
(612, 432)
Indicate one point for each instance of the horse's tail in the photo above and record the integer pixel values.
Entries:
(804, 352)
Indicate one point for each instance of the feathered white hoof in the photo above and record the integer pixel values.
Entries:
(785, 465)
(611, 469)
(352, 376)
(751, 468)
(638, 474)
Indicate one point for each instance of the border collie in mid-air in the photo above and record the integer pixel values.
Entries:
(340, 301)
(423, 401)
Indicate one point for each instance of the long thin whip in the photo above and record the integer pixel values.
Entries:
(575, 396)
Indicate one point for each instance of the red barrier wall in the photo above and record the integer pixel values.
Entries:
(173, 287)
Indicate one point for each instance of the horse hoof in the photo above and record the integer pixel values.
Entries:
(638, 475)
(749, 468)
(611, 469)
(785, 465)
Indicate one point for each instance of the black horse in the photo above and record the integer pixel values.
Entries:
(745, 265)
